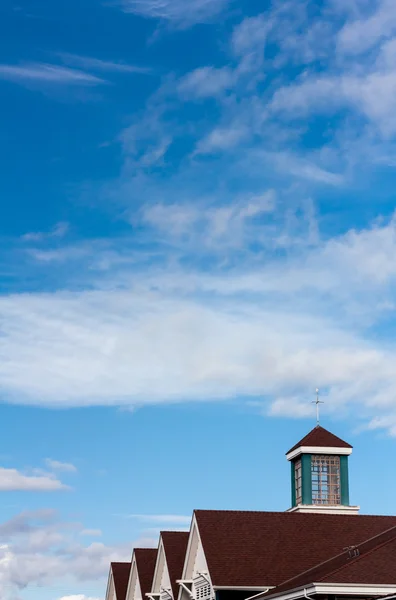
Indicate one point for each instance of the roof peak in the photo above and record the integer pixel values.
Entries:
(320, 437)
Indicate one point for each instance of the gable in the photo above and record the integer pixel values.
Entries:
(196, 580)
(161, 574)
(195, 561)
(175, 545)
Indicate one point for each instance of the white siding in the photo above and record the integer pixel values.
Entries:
(111, 595)
(161, 575)
(134, 591)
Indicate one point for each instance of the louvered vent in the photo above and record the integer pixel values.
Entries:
(165, 594)
(202, 588)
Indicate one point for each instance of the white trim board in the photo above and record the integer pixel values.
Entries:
(318, 450)
(252, 588)
(323, 509)
(110, 584)
(339, 589)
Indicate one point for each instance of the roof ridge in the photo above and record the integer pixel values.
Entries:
(285, 512)
(174, 531)
(230, 510)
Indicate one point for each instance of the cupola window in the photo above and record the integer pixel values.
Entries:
(298, 481)
(325, 479)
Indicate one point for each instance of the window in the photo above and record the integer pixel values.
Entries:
(326, 479)
(298, 481)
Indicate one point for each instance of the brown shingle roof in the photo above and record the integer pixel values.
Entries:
(268, 548)
(145, 563)
(359, 565)
(319, 436)
(375, 568)
(175, 546)
(121, 577)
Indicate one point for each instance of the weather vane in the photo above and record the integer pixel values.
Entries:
(317, 402)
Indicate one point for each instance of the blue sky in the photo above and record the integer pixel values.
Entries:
(197, 228)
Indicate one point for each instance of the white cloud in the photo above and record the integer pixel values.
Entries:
(177, 12)
(59, 231)
(301, 168)
(91, 532)
(13, 480)
(55, 465)
(267, 327)
(146, 142)
(163, 519)
(251, 34)
(221, 138)
(39, 550)
(371, 95)
(275, 309)
(46, 73)
(96, 64)
(363, 33)
(206, 82)
(228, 225)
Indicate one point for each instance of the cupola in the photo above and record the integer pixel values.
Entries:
(319, 474)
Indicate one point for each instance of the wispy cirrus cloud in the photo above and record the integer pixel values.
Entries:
(59, 231)
(225, 287)
(47, 73)
(96, 64)
(206, 82)
(176, 12)
(162, 519)
(56, 465)
(91, 532)
(370, 94)
(377, 23)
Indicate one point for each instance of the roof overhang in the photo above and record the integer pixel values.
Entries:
(336, 589)
(248, 588)
(325, 509)
(318, 450)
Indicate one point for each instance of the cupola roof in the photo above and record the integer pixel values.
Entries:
(320, 438)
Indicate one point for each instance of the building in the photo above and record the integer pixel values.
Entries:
(321, 548)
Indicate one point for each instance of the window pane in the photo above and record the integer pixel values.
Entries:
(298, 481)
(326, 479)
